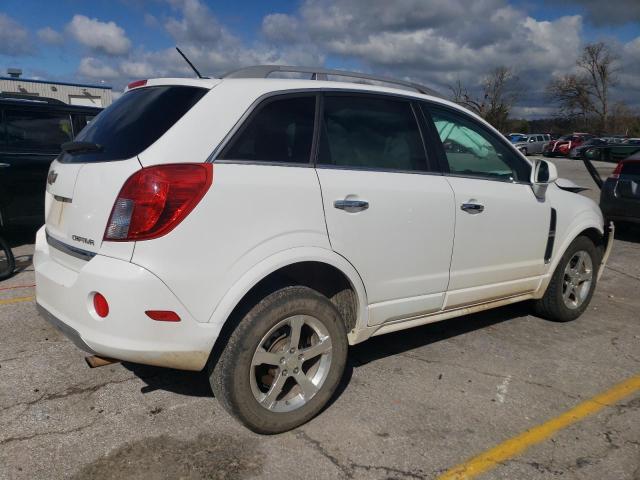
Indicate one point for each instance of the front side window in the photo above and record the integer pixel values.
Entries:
(370, 132)
(30, 129)
(471, 150)
(280, 131)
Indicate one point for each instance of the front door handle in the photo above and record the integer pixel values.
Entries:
(351, 205)
(472, 208)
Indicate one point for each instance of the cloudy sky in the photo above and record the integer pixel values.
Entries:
(435, 42)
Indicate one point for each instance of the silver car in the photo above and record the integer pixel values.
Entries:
(533, 143)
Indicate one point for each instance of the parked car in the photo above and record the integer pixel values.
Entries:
(533, 143)
(516, 137)
(562, 146)
(611, 152)
(576, 152)
(31, 132)
(620, 196)
(257, 227)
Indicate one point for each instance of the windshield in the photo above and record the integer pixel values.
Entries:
(134, 122)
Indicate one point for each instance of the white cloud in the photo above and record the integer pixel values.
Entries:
(94, 69)
(50, 36)
(106, 37)
(14, 38)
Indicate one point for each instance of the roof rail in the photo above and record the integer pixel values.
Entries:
(263, 71)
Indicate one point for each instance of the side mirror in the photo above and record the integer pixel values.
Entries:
(543, 173)
(531, 140)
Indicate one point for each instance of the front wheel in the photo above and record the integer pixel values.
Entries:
(7, 260)
(283, 361)
(572, 284)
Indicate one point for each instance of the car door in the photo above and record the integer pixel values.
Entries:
(33, 139)
(386, 211)
(501, 227)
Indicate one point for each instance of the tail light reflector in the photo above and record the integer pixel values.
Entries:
(163, 315)
(100, 305)
(154, 200)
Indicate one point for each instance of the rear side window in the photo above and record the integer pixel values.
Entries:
(372, 133)
(35, 130)
(135, 121)
(279, 131)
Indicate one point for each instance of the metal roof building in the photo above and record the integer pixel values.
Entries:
(70, 93)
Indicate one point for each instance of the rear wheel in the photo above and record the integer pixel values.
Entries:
(283, 361)
(572, 284)
(524, 151)
(7, 260)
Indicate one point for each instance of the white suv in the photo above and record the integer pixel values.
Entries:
(256, 227)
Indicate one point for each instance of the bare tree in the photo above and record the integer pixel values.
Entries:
(587, 93)
(599, 65)
(499, 94)
(571, 93)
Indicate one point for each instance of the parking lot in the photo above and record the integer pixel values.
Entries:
(413, 404)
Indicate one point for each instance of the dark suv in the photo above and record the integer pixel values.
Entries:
(31, 132)
(620, 197)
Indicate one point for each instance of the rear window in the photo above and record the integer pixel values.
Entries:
(135, 121)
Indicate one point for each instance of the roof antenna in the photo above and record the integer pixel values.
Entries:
(190, 64)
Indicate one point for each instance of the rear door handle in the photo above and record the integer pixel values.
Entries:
(472, 208)
(351, 205)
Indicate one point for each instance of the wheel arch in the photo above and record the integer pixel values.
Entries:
(318, 268)
(590, 225)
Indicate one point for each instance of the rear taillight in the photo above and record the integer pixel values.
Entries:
(154, 200)
(618, 170)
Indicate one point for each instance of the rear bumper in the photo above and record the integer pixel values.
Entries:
(64, 296)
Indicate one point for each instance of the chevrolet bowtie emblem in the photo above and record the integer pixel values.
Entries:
(51, 178)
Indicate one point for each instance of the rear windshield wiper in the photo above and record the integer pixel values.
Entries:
(81, 147)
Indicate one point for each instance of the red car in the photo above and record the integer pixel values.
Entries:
(562, 146)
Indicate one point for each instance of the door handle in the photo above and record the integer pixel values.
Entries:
(472, 208)
(5, 165)
(351, 205)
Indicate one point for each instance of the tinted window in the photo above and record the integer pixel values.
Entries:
(631, 168)
(135, 121)
(29, 129)
(81, 120)
(370, 132)
(472, 150)
(279, 131)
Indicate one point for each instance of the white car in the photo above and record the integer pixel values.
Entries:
(257, 227)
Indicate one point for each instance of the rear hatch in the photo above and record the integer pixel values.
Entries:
(85, 180)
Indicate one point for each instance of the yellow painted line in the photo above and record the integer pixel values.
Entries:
(518, 444)
(16, 300)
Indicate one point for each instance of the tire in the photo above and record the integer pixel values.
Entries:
(245, 386)
(7, 260)
(524, 151)
(564, 301)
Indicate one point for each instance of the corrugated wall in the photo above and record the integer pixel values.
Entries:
(77, 95)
